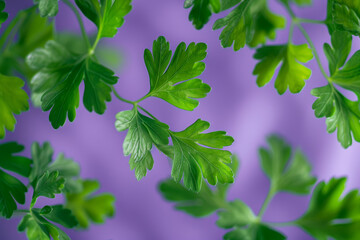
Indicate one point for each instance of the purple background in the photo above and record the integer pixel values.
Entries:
(235, 104)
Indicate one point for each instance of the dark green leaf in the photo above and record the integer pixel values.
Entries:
(292, 74)
(3, 15)
(143, 133)
(346, 15)
(13, 100)
(88, 207)
(12, 162)
(201, 11)
(107, 15)
(48, 185)
(59, 214)
(254, 232)
(331, 216)
(193, 161)
(286, 175)
(174, 81)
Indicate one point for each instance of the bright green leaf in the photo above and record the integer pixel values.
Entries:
(107, 15)
(251, 22)
(143, 133)
(89, 207)
(330, 215)
(174, 81)
(198, 155)
(48, 8)
(286, 175)
(13, 100)
(292, 74)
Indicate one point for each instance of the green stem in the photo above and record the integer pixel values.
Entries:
(266, 203)
(291, 31)
(20, 212)
(143, 98)
(121, 98)
(81, 23)
(147, 112)
(98, 37)
(281, 224)
(313, 49)
(10, 28)
(304, 20)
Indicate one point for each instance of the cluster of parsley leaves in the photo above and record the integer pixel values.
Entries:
(252, 23)
(48, 178)
(329, 215)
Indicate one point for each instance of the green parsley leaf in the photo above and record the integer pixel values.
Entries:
(48, 8)
(194, 161)
(292, 74)
(143, 133)
(173, 81)
(49, 184)
(59, 214)
(254, 232)
(88, 207)
(346, 15)
(57, 82)
(329, 215)
(107, 15)
(201, 11)
(13, 100)
(238, 214)
(324, 105)
(38, 228)
(11, 189)
(3, 15)
(67, 168)
(199, 204)
(251, 22)
(226, 4)
(338, 53)
(286, 175)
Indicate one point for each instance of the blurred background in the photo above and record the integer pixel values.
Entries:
(235, 104)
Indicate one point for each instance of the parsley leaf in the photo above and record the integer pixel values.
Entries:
(88, 207)
(67, 168)
(184, 66)
(194, 161)
(59, 214)
(49, 184)
(329, 215)
(3, 15)
(346, 15)
(254, 232)
(107, 15)
(48, 8)
(143, 133)
(251, 22)
(57, 82)
(196, 204)
(200, 204)
(292, 74)
(286, 175)
(238, 214)
(37, 227)
(201, 11)
(11, 189)
(13, 100)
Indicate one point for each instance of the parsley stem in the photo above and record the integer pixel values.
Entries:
(304, 20)
(266, 203)
(20, 212)
(143, 98)
(313, 49)
(281, 224)
(14, 23)
(121, 98)
(81, 23)
(147, 112)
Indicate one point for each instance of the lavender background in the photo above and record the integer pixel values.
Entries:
(236, 105)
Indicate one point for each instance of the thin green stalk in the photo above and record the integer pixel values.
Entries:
(143, 98)
(281, 224)
(266, 203)
(81, 23)
(98, 37)
(121, 98)
(10, 28)
(291, 32)
(147, 112)
(20, 212)
(304, 20)
(313, 49)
